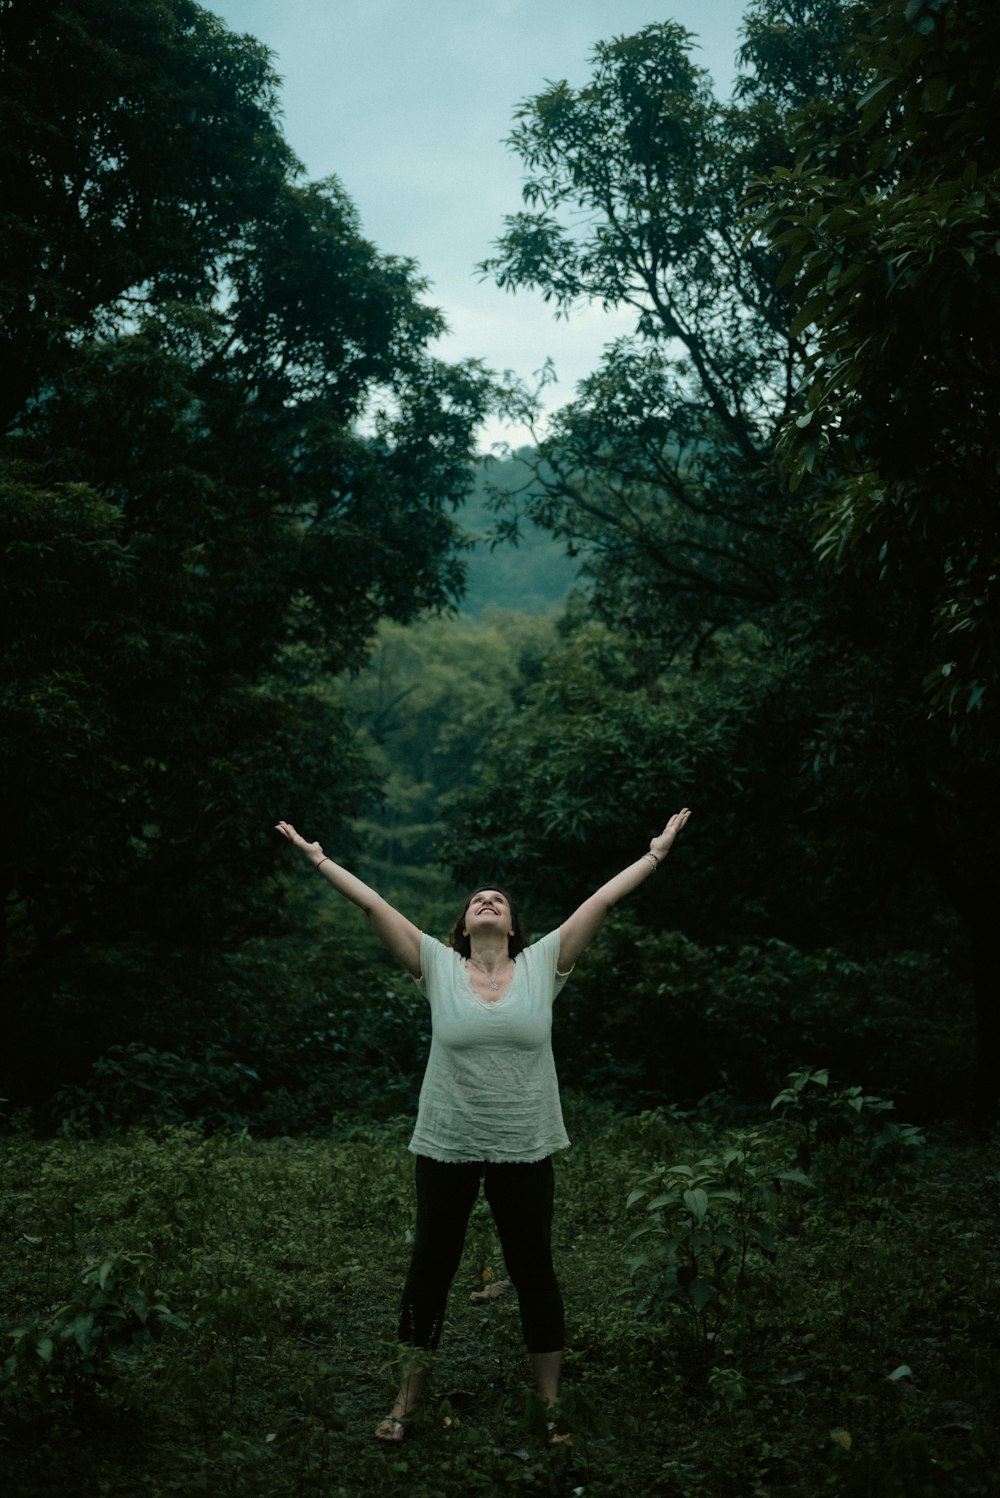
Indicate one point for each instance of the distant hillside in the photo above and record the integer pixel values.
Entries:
(533, 576)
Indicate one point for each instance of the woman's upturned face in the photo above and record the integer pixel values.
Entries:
(488, 910)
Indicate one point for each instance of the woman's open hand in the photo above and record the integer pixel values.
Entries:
(660, 846)
(312, 851)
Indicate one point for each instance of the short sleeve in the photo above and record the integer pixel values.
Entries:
(433, 956)
(545, 953)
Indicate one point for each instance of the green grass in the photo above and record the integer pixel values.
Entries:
(285, 1258)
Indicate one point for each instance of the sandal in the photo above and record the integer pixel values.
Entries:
(391, 1430)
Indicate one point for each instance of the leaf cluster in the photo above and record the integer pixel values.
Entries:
(227, 453)
(892, 261)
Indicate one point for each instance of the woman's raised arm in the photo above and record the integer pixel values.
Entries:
(399, 936)
(585, 922)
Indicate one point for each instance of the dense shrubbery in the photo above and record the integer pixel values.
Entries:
(192, 1314)
(289, 1042)
(651, 1017)
(292, 1037)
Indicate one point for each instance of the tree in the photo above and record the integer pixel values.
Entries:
(894, 265)
(662, 472)
(433, 698)
(666, 476)
(228, 453)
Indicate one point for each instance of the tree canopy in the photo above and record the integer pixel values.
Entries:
(233, 473)
(227, 453)
(668, 477)
(893, 264)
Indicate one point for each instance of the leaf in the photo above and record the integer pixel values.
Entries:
(81, 1331)
(873, 104)
(700, 1292)
(796, 1177)
(696, 1202)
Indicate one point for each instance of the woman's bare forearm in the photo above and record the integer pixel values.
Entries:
(585, 922)
(398, 935)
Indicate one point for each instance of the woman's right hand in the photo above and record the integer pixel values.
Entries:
(313, 851)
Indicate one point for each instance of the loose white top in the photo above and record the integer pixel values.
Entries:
(490, 1090)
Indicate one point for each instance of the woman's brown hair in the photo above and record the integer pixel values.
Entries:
(515, 941)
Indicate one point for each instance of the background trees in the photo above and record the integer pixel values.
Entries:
(227, 455)
(665, 473)
(894, 265)
(230, 459)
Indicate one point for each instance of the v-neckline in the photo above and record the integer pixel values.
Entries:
(500, 998)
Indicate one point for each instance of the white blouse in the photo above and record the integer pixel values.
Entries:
(490, 1090)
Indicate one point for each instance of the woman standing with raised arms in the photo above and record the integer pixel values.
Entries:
(489, 1105)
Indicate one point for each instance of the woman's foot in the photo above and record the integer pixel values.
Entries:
(491, 1291)
(412, 1393)
(390, 1429)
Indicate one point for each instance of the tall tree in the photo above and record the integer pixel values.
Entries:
(665, 472)
(894, 265)
(662, 472)
(227, 454)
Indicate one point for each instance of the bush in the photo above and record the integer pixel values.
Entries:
(653, 1016)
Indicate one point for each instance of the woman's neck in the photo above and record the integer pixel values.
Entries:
(486, 954)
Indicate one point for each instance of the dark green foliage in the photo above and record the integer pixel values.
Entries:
(831, 809)
(892, 261)
(195, 530)
(843, 1131)
(61, 1364)
(293, 1040)
(532, 577)
(653, 1018)
(604, 743)
(661, 474)
(857, 1358)
(429, 705)
(139, 141)
(707, 1227)
(298, 1040)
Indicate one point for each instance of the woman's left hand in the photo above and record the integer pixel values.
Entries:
(660, 846)
(287, 830)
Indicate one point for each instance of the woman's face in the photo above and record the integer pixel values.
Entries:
(488, 910)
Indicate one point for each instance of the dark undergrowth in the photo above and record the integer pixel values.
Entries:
(808, 1307)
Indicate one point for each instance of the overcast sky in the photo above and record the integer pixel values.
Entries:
(408, 102)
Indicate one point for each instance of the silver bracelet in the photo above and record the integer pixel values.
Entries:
(653, 859)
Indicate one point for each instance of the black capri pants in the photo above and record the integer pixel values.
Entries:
(521, 1198)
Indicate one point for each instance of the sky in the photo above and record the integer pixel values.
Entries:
(409, 103)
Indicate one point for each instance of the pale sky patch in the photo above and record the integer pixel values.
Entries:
(409, 102)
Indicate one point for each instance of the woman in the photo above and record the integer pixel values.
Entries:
(489, 1104)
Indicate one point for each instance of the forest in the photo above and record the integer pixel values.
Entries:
(255, 566)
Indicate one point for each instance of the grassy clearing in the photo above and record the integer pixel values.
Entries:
(284, 1260)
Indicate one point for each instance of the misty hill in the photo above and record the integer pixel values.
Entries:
(533, 576)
